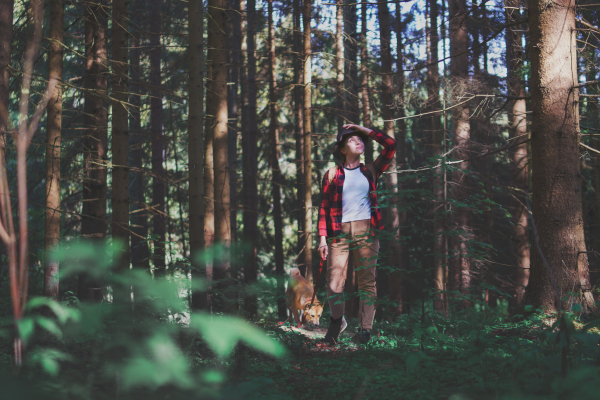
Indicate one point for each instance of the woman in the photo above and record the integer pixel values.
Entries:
(347, 217)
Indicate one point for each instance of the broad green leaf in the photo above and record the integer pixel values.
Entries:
(49, 325)
(223, 333)
(25, 326)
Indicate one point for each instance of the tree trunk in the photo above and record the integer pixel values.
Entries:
(459, 66)
(339, 64)
(196, 147)
(140, 253)
(387, 113)
(232, 111)
(274, 136)
(433, 93)
(217, 30)
(299, 125)
(250, 160)
(120, 135)
(556, 177)
(93, 221)
(53, 139)
(350, 70)
(307, 134)
(518, 154)
(158, 144)
(364, 81)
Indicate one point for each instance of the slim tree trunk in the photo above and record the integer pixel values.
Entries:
(120, 134)
(232, 109)
(196, 146)
(556, 177)
(364, 80)
(6, 24)
(299, 122)
(217, 29)
(140, 253)
(339, 64)
(274, 136)
(158, 144)
(53, 139)
(93, 221)
(387, 114)
(307, 134)
(350, 68)
(250, 161)
(518, 132)
(459, 66)
(433, 93)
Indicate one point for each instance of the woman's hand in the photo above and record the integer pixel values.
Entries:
(358, 128)
(323, 250)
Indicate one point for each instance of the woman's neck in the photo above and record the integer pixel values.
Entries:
(352, 163)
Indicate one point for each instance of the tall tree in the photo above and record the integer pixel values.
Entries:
(6, 24)
(196, 145)
(217, 30)
(339, 63)
(158, 141)
(276, 171)
(234, 41)
(350, 65)
(140, 253)
(518, 132)
(433, 101)
(387, 112)
(299, 120)
(461, 131)
(120, 133)
(250, 157)
(556, 176)
(307, 134)
(364, 79)
(53, 140)
(93, 221)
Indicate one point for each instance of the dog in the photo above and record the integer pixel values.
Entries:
(299, 294)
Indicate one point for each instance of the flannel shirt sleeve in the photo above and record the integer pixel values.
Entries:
(389, 149)
(324, 209)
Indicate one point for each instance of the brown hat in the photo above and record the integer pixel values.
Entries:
(344, 134)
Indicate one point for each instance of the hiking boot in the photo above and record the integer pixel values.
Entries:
(362, 337)
(336, 326)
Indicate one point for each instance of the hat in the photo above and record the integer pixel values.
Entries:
(341, 137)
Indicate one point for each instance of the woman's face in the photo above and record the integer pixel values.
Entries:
(354, 146)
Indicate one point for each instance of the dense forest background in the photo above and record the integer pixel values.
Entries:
(181, 146)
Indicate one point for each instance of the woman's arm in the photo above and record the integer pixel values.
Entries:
(323, 211)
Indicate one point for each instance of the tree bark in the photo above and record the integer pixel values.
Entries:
(196, 148)
(93, 221)
(53, 140)
(307, 134)
(433, 93)
(299, 124)
(518, 154)
(276, 171)
(364, 81)
(232, 110)
(556, 176)
(339, 64)
(459, 66)
(350, 66)
(387, 113)
(250, 160)
(120, 135)
(158, 144)
(217, 29)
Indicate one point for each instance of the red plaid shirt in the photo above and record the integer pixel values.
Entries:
(330, 213)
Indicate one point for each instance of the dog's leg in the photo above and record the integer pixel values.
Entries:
(298, 320)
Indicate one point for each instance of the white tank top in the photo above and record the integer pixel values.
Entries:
(356, 205)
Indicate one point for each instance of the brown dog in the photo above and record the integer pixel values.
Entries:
(299, 294)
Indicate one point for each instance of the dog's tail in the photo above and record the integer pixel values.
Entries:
(295, 272)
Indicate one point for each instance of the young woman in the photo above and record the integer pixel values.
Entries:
(347, 218)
